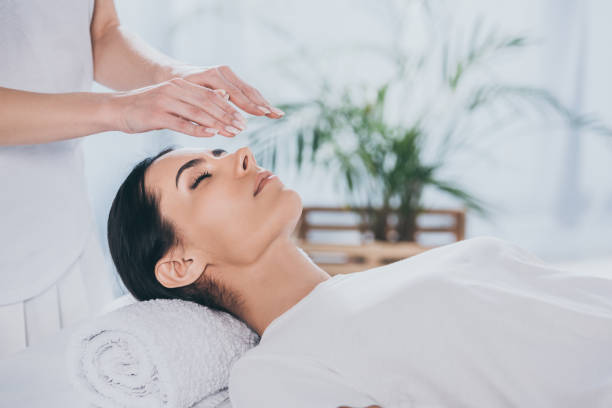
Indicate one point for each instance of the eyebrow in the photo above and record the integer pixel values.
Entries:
(190, 163)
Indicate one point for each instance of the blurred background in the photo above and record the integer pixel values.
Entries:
(500, 110)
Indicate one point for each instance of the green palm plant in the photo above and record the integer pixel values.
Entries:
(384, 163)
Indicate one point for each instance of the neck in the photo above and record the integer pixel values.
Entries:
(275, 282)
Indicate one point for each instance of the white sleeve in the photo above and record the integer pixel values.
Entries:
(290, 381)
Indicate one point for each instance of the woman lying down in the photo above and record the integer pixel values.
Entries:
(478, 323)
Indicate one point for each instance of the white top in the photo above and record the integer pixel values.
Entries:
(45, 218)
(478, 323)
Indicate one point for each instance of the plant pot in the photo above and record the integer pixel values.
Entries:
(378, 220)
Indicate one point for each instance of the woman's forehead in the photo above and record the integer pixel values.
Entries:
(187, 151)
(167, 165)
(180, 155)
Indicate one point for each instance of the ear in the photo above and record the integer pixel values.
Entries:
(176, 269)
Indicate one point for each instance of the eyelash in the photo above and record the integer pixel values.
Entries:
(202, 176)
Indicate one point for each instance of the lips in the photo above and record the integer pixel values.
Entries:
(259, 179)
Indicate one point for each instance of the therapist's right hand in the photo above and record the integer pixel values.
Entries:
(175, 104)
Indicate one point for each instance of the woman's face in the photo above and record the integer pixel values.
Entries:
(209, 196)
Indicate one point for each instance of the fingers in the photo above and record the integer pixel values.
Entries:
(222, 92)
(200, 111)
(235, 115)
(248, 91)
(181, 125)
(241, 94)
(207, 107)
(202, 94)
(201, 117)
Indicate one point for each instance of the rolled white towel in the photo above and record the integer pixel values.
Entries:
(157, 353)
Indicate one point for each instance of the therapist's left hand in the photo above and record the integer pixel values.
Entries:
(240, 93)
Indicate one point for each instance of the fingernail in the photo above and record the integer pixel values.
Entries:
(232, 129)
(238, 125)
(277, 111)
(263, 109)
(211, 130)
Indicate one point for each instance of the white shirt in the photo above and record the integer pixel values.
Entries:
(478, 323)
(45, 216)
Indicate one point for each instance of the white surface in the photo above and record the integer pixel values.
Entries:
(479, 323)
(37, 378)
(598, 266)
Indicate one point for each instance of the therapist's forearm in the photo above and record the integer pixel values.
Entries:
(33, 118)
(123, 61)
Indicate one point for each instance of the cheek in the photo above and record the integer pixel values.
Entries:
(225, 224)
(238, 230)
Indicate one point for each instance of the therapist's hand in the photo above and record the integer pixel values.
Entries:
(175, 104)
(241, 94)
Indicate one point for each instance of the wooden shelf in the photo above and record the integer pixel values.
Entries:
(360, 257)
(366, 255)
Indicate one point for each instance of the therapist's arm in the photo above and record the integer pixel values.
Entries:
(123, 61)
(33, 118)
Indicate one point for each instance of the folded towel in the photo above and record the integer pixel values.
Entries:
(158, 353)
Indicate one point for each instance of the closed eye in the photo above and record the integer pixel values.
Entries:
(200, 178)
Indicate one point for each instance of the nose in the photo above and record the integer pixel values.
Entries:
(245, 161)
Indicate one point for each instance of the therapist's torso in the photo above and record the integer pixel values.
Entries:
(45, 217)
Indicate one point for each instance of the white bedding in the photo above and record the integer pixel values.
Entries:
(36, 377)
